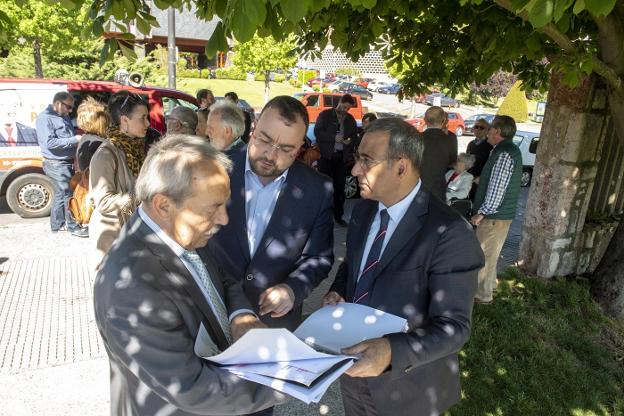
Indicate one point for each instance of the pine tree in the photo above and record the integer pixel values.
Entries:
(515, 104)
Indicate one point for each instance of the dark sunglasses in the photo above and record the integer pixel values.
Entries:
(479, 127)
(67, 106)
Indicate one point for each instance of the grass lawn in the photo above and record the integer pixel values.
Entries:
(251, 91)
(542, 348)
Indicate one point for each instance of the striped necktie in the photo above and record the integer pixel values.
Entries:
(365, 281)
(213, 296)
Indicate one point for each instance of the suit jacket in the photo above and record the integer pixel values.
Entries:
(439, 154)
(325, 129)
(24, 136)
(427, 274)
(297, 245)
(148, 309)
(458, 188)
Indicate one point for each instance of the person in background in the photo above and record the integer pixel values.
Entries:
(94, 120)
(336, 132)
(154, 294)
(458, 180)
(182, 120)
(202, 119)
(233, 97)
(440, 152)
(113, 171)
(479, 147)
(496, 200)
(205, 98)
(225, 126)
(58, 142)
(366, 120)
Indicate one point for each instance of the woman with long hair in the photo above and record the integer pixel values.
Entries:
(114, 169)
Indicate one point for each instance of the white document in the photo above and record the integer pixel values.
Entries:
(333, 328)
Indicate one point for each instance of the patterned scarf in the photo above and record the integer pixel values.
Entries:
(133, 148)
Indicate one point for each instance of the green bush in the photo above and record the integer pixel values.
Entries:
(306, 75)
(232, 72)
(259, 76)
(279, 78)
(354, 72)
(295, 83)
(515, 104)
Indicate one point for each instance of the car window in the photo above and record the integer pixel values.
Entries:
(452, 116)
(328, 101)
(313, 100)
(518, 140)
(169, 103)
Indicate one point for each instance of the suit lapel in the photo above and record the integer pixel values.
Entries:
(238, 203)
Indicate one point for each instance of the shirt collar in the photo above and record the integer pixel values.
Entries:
(398, 210)
(234, 143)
(170, 242)
(249, 171)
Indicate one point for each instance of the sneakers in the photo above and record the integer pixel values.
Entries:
(63, 228)
(80, 232)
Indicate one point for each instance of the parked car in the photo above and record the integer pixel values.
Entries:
(445, 100)
(470, 121)
(527, 142)
(374, 85)
(316, 102)
(389, 89)
(455, 123)
(363, 82)
(336, 85)
(317, 81)
(28, 191)
(354, 89)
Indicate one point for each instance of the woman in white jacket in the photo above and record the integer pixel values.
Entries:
(458, 181)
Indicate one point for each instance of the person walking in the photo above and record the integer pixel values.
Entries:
(58, 141)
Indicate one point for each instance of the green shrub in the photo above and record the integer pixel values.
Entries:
(279, 78)
(354, 72)
(232, 72)
(259, 76)
(306, 75)
(295, 83)
(515, 104)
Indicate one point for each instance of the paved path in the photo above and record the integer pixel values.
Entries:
(52, 361)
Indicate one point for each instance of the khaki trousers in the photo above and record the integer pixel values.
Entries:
(491, 235)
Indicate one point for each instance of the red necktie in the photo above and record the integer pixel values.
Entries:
(10, 139)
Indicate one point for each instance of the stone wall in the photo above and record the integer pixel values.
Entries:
(556, 240)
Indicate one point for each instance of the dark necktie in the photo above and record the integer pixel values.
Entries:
(365, 280)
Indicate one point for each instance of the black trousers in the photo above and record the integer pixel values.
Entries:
(336, 169)
(356, 397)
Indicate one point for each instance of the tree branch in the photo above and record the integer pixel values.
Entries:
(553, 32)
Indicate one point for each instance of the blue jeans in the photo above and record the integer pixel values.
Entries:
(60, 173)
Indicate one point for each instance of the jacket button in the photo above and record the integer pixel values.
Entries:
(250, 276)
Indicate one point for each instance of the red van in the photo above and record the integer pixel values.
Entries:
(28, 191)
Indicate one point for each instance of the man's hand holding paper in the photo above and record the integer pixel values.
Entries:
(375, 357)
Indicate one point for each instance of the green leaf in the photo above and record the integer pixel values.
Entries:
(579, 6)
(560, 7)
(255, 11)
(571, 78)
(599, 7)
(369, 4)
(564, 23)
(217, 42)
(295, 10)
(143, 25)
(541, 12)
(162, 4)
(127, 51)
(242, 28)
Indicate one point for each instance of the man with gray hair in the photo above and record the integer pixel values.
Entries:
(496, 200)
(440, 152)
(154, 294)
(182, 120)
(225, 126)
(413, 256)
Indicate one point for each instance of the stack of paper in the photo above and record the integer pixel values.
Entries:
(282, 360)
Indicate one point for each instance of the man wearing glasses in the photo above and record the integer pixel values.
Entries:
(58, 141)
(279, 241)
(479, 147)
(409, 254)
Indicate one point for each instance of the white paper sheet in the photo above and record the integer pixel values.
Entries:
(333, 328)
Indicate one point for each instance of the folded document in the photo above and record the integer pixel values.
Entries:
(303, 364)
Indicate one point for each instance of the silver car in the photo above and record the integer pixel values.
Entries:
(527, 142)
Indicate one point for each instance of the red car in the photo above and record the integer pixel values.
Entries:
(455, 123)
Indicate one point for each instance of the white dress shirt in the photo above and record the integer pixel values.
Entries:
(178, 250)
(260, 201)
(396, 213)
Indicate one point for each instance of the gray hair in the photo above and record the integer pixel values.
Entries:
(467, 159)
(506, 124)
(404, 139)
(231, 116)
(186, 117)
(168, 168)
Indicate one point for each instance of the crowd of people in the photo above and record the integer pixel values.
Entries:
(221, 228)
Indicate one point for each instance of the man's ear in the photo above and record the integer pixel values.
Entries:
(402, 167)
(161, 206)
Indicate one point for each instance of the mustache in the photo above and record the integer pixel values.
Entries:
(265, 160)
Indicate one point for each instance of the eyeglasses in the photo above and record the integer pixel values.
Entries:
(366, 162)
(266, 144)
(67, 106)
(479, 127)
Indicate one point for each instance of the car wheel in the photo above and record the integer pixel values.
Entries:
(352, 189)
(30, 195)
(459, 131)
(525, 179)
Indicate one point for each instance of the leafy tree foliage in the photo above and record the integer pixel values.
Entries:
(497, 86)
(263, 55)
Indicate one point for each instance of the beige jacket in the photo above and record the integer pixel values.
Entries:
(111, 187)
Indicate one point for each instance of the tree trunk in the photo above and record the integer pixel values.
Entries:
(266, 86)
(608, 279)
(37, 56)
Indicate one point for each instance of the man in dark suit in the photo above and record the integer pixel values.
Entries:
(17, 134)
(279, 241)
(336, 133)
(154, 294)
(440, 152)
(413, 256)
